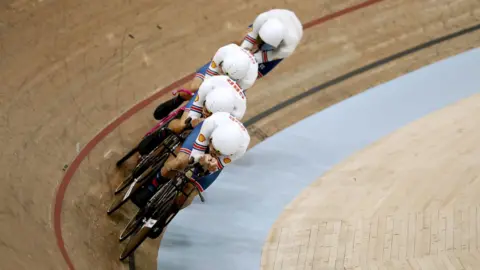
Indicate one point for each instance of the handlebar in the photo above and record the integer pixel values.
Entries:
(194, 167)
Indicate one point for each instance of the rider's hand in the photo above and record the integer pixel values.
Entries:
(184, 95)
(203, 161)
(255, 48)
(212, 163)
(196, 121)
(208, 162)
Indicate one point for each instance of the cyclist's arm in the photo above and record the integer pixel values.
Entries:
(203, 139)
(251, 38)
(284, 50)
(214, 68)
(267, 56)
(197, 106)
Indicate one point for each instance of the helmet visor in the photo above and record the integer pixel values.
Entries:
(260, 40)
(222, 70)
(213, 151)
(205, 111)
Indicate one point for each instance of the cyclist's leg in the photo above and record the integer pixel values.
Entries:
(173, 163)
(145, 192)
(153, 139)
(178, 125)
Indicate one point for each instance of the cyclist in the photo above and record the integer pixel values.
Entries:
(215, 94)
(216, 142)
(273, 36)
(231, 60)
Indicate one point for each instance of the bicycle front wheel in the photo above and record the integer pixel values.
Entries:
(127, 181)
(161, 204)
(136, 240)
(133, 225)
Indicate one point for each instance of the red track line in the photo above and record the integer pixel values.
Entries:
(60, 194)
(340, 13)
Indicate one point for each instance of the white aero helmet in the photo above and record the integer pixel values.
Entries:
(220, 99)
(227, 138)
(272, 32)
(236, 65)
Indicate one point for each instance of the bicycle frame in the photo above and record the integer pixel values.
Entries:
(180, 184)
(186, 179)
(169, 144)
(165, 120)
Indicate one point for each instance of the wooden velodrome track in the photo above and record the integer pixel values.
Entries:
(68, 68)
